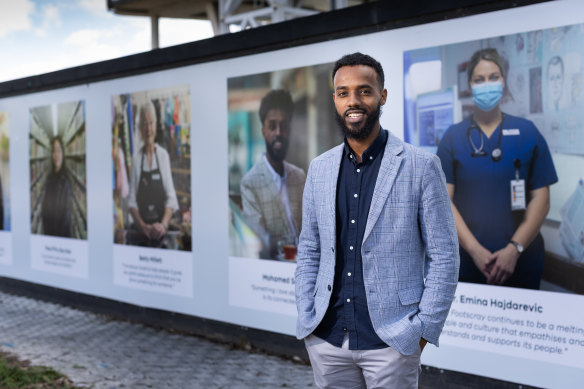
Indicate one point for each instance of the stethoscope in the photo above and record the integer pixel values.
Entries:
(497, 153)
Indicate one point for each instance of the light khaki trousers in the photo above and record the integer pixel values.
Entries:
(341, 368)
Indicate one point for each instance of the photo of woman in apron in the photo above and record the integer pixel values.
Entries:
(152, 195)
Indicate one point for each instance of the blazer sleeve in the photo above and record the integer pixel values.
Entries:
(252, 213)
(308, 256)
(442, 254)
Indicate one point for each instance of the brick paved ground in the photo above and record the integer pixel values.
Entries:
(96, 352)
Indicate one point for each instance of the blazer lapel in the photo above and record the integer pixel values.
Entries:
(332, 176)
(390, 164)
(273, 191)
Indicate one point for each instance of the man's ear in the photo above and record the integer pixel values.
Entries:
(383, 96)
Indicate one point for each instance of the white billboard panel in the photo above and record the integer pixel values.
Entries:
(524, 336)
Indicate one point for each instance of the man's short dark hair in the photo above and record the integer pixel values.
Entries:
(277, 99)
(360, 59)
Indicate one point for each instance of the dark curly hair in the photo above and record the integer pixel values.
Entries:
(360, 59)
(277, 99)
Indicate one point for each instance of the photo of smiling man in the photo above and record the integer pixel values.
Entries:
(271, 191)
(277, 123)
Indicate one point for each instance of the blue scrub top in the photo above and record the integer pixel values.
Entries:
(483, 190)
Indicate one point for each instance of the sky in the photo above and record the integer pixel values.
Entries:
(41, 36)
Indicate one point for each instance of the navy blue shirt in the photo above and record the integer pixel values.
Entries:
(483, 191)
(348, 305)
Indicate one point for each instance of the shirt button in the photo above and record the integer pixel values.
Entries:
(344, 328)
(348, 300)
(358, 170)
(351, 248)
(329, 288)
(370, 157)
(353, 221)
(349, 274)
(355, 195)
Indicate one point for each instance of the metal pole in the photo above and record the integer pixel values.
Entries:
(213, 18)
(154, 29)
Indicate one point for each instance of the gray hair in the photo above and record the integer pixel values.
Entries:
(147, 106)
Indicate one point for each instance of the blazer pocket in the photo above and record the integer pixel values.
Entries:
(410, 295)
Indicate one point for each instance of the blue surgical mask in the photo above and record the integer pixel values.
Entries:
(487, 95)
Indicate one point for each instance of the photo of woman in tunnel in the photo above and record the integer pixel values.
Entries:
(498, 171)
(58, 205)
(58, 194)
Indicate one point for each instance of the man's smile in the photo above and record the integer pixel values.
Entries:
(354, 116)
(277, 144)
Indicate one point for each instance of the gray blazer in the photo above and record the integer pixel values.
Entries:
(410, 247)
(263, 209)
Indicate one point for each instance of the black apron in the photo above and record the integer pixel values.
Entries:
(151, 197)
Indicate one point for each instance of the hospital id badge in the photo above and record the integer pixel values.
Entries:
(517, 195)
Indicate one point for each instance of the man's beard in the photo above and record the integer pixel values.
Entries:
(277, 155)
(365, 131)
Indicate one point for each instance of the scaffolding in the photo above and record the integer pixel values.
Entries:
(225, 15)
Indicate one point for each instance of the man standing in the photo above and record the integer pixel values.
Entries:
(271, 191)
(378, 253)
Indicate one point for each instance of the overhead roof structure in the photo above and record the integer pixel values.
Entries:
(224, 13)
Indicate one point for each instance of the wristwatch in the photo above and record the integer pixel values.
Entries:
(517, 246)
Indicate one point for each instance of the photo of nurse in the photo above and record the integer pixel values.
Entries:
(498, 170)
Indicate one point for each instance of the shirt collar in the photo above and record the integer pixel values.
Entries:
(275, 176)
(373, 150)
